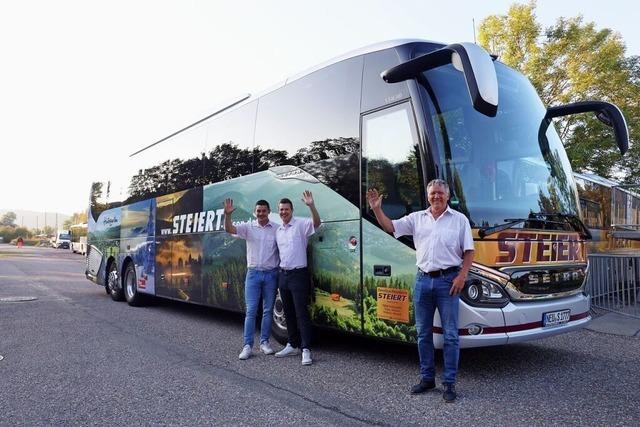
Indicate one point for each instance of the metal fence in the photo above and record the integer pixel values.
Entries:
(614, 282)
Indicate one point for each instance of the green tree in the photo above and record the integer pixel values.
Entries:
(513, 37)
(76, 218)
(8, 219)
(568, 62)
(8, 233)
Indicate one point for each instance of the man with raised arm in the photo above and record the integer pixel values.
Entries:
(262, 272)
(293, 280)
(444, 253)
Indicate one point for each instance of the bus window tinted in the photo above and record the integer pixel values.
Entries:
(229, 147)
(391, 159)
(312, 122)
(321, 107)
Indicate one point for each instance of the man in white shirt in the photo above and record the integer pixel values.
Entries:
(293, 280)
(444, 253)
(262, 272)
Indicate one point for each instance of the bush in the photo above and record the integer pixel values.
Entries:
(9, 233)
(26, 242)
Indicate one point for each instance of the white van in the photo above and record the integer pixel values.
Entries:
(62, 240)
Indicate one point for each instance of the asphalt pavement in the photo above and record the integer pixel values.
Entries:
(71, 356)
(615, 324)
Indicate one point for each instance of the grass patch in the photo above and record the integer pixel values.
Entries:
(344, 307)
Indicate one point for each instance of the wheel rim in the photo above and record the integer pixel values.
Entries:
(130, 284)
(278, 313)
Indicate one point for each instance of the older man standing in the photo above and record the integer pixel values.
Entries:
(293, 280)
(444, 253)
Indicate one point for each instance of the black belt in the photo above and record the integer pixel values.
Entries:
(291, 270)
(438, 273)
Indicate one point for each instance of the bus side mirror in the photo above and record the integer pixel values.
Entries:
(607, 113)
(471, 59)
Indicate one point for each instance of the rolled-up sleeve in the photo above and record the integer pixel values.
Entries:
(242, 231)
(403, 226)
(466, 238)
(308, 227)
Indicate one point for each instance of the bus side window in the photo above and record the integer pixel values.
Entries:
(375, 91)
(313, 122)
(229, 149)
(391, 159)
(98, 199)
(591, 213)
(167, 167)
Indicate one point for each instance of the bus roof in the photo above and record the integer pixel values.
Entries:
(605, 182)
(247, 98)
(596, 179)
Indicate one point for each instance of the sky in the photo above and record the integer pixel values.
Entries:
(85, 83)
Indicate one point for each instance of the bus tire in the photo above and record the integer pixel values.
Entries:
(114, 283)
(279, 323)
(133, 297)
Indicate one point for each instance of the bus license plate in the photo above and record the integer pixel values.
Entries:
(555, 318)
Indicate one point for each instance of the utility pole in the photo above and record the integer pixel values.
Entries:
(473, 20)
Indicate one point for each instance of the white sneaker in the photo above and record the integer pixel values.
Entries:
(245, 353)
(306, 356)
(287, 351)
(266, 348)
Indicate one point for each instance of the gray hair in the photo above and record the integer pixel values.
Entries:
(438, 182)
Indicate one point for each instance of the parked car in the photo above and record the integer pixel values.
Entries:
(62, 240)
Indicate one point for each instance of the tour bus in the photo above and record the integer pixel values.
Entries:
(79, 238)
(391, 116)
(611, 211)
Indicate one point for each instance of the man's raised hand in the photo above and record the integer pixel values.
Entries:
(228, 206)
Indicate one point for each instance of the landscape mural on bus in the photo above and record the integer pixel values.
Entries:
(225, 259)
(197, 261)
(137, 232)
(104, 236)
(178, 255)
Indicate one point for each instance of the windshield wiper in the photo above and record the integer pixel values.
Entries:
(483, 232)
(570, 219)
(574, 221)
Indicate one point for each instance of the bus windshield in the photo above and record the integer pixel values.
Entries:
(499, 169)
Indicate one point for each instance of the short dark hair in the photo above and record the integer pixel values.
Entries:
(286, 201)
(262, 202)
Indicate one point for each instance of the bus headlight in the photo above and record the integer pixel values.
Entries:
(473, 291)
(480, 292)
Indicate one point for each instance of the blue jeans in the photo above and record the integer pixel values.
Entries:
(431, 293)
(259, 283)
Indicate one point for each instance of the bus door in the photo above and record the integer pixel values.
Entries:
(390, 163)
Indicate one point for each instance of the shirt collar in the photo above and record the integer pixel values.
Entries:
(255, 223)
(447, 210)
(291, 221)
